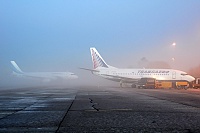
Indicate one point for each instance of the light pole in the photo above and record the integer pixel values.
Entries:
(173, 54)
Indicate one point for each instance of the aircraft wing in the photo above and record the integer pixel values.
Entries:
(125, 79)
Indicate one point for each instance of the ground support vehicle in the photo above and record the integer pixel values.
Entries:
(182, 85)
(147, 83)
(163, 84)
(196, 83)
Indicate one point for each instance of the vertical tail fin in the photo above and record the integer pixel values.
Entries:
(16, 68)
(97, 60)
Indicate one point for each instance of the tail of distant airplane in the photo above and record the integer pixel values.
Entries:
(97, 60)
(16, 68)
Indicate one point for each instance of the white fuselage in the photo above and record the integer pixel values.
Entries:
(101, 68)
(132, 75)
(48, 75)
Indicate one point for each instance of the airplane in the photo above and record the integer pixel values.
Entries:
(132, 76)
(46, 76)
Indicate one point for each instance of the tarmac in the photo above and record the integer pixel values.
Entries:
(99, 109)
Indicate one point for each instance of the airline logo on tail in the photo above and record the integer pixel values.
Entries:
(97, 59)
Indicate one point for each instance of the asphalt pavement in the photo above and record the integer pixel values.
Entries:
(99, 109)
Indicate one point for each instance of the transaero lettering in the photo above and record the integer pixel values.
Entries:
(152, 71)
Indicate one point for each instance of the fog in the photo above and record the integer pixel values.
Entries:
(55, 36)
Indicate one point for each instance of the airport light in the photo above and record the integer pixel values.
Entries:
(174, 44)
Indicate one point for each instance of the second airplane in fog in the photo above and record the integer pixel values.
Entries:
(101, 68)
(46, 76)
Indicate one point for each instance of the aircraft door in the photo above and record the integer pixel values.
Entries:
(107, 72)
(173, 75)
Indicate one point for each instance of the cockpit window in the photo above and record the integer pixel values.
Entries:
(184, 74)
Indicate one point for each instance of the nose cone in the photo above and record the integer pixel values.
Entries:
(71, 76)
(191, 78)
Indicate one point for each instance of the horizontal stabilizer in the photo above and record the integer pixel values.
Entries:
(92, 70)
